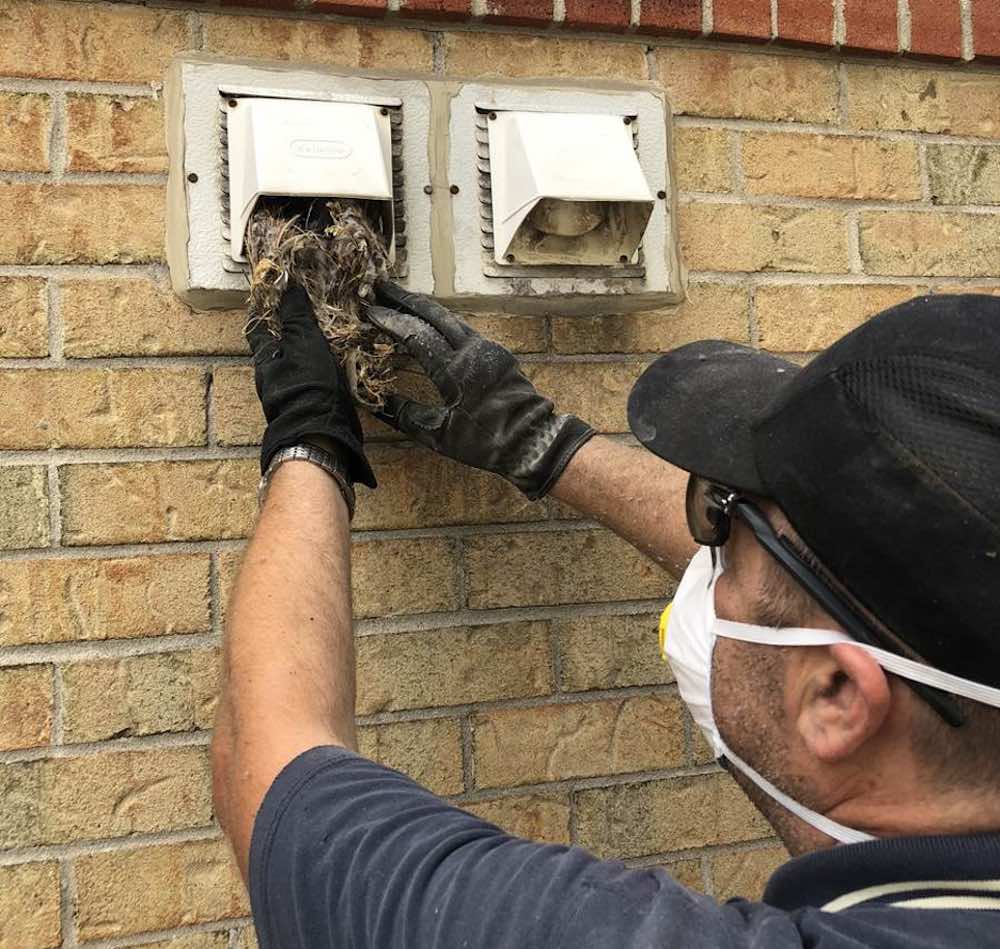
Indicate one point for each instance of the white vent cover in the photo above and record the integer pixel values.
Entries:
(283, 147)
(566, 189)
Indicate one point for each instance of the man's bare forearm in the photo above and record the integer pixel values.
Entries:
(633, 493)
(289, 651)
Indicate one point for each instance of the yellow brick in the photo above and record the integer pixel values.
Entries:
(314, 41)
(610, 652)
(104, 795)
(182, 884)
(709, 312)
(746, 238)
(417, 488)
(140, 318)
(140, 695)
(533, 816)
(24, 508)
(101, 408)
(218, 939)
(660, 816)
(45, 601)
(390, 577)
(25, 707)
(703, 159)
(797, 319)
(966, 288)
(513, 56)
(90, 42)
(688, 873)
(555, 742)
(831, 166)
(964, 174)
(520, 334)
(115, 133)
(452, 666)
(24, 330)
(742, 85)
(744, 873)
(884, 97)
(429, 751)
(595, 391)
(558, 567)
(237, 418)
(81, 224)
(24, 132)
(247, 939)
(29, 906)
(930, 244)
(153, 502)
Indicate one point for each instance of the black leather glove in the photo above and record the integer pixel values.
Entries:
(302, 388)
(493, 417)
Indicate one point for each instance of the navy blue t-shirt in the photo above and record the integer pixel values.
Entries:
(347, 854)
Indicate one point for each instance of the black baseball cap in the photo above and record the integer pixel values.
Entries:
(883, 452)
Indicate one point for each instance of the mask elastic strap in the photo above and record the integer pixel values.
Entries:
(890, 661)
(846, 835)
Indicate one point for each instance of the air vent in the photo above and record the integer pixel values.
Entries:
(565, 217)
(363, 168)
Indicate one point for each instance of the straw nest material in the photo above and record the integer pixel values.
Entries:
(333, 250)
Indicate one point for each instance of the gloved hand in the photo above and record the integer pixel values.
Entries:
(302, 388)
(493, 417)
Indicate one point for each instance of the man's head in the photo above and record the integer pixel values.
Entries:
(879, 456)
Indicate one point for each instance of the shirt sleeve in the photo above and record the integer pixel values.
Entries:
(349, 854)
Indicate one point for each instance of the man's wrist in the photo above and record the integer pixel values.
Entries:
(309, 451)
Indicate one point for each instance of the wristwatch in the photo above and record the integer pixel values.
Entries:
(326, 460)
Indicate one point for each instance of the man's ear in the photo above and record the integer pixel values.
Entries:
(844, 701)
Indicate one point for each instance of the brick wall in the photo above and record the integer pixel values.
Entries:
(506, 650)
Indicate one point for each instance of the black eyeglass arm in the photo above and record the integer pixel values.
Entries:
(784, 552)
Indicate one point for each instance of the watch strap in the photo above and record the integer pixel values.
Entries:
(326, 460)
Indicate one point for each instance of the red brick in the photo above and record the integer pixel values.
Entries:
(871, 24)
(670, 16)
(986, 29)
(349, 7)
(806, 21)
(518, 12)
(936, 28)
(598, 14)
(746, 19)
(437, 9)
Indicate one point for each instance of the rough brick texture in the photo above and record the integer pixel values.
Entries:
(29, 906)
(24, 330)
(25, 122)
(115, 133)
(506, 650)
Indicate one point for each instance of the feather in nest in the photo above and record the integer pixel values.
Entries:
(333, 251)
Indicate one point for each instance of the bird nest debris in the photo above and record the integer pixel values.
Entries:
(335, 252)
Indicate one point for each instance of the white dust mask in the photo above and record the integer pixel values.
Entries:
(688, 631)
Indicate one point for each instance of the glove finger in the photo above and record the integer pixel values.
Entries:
(428, 309)
(421, 422)
(295, 306)
(421, 341)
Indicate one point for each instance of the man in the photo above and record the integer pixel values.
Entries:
(836, 637)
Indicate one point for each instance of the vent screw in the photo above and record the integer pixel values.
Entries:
(383, 111)
(192, 177)
(428, 189)
(233, 103)
(623, 259)
(453, 189)
(509, 258)
(627, 120)
(661, 194)
(493, 116)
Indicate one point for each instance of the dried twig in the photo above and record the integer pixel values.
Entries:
(334, 252)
